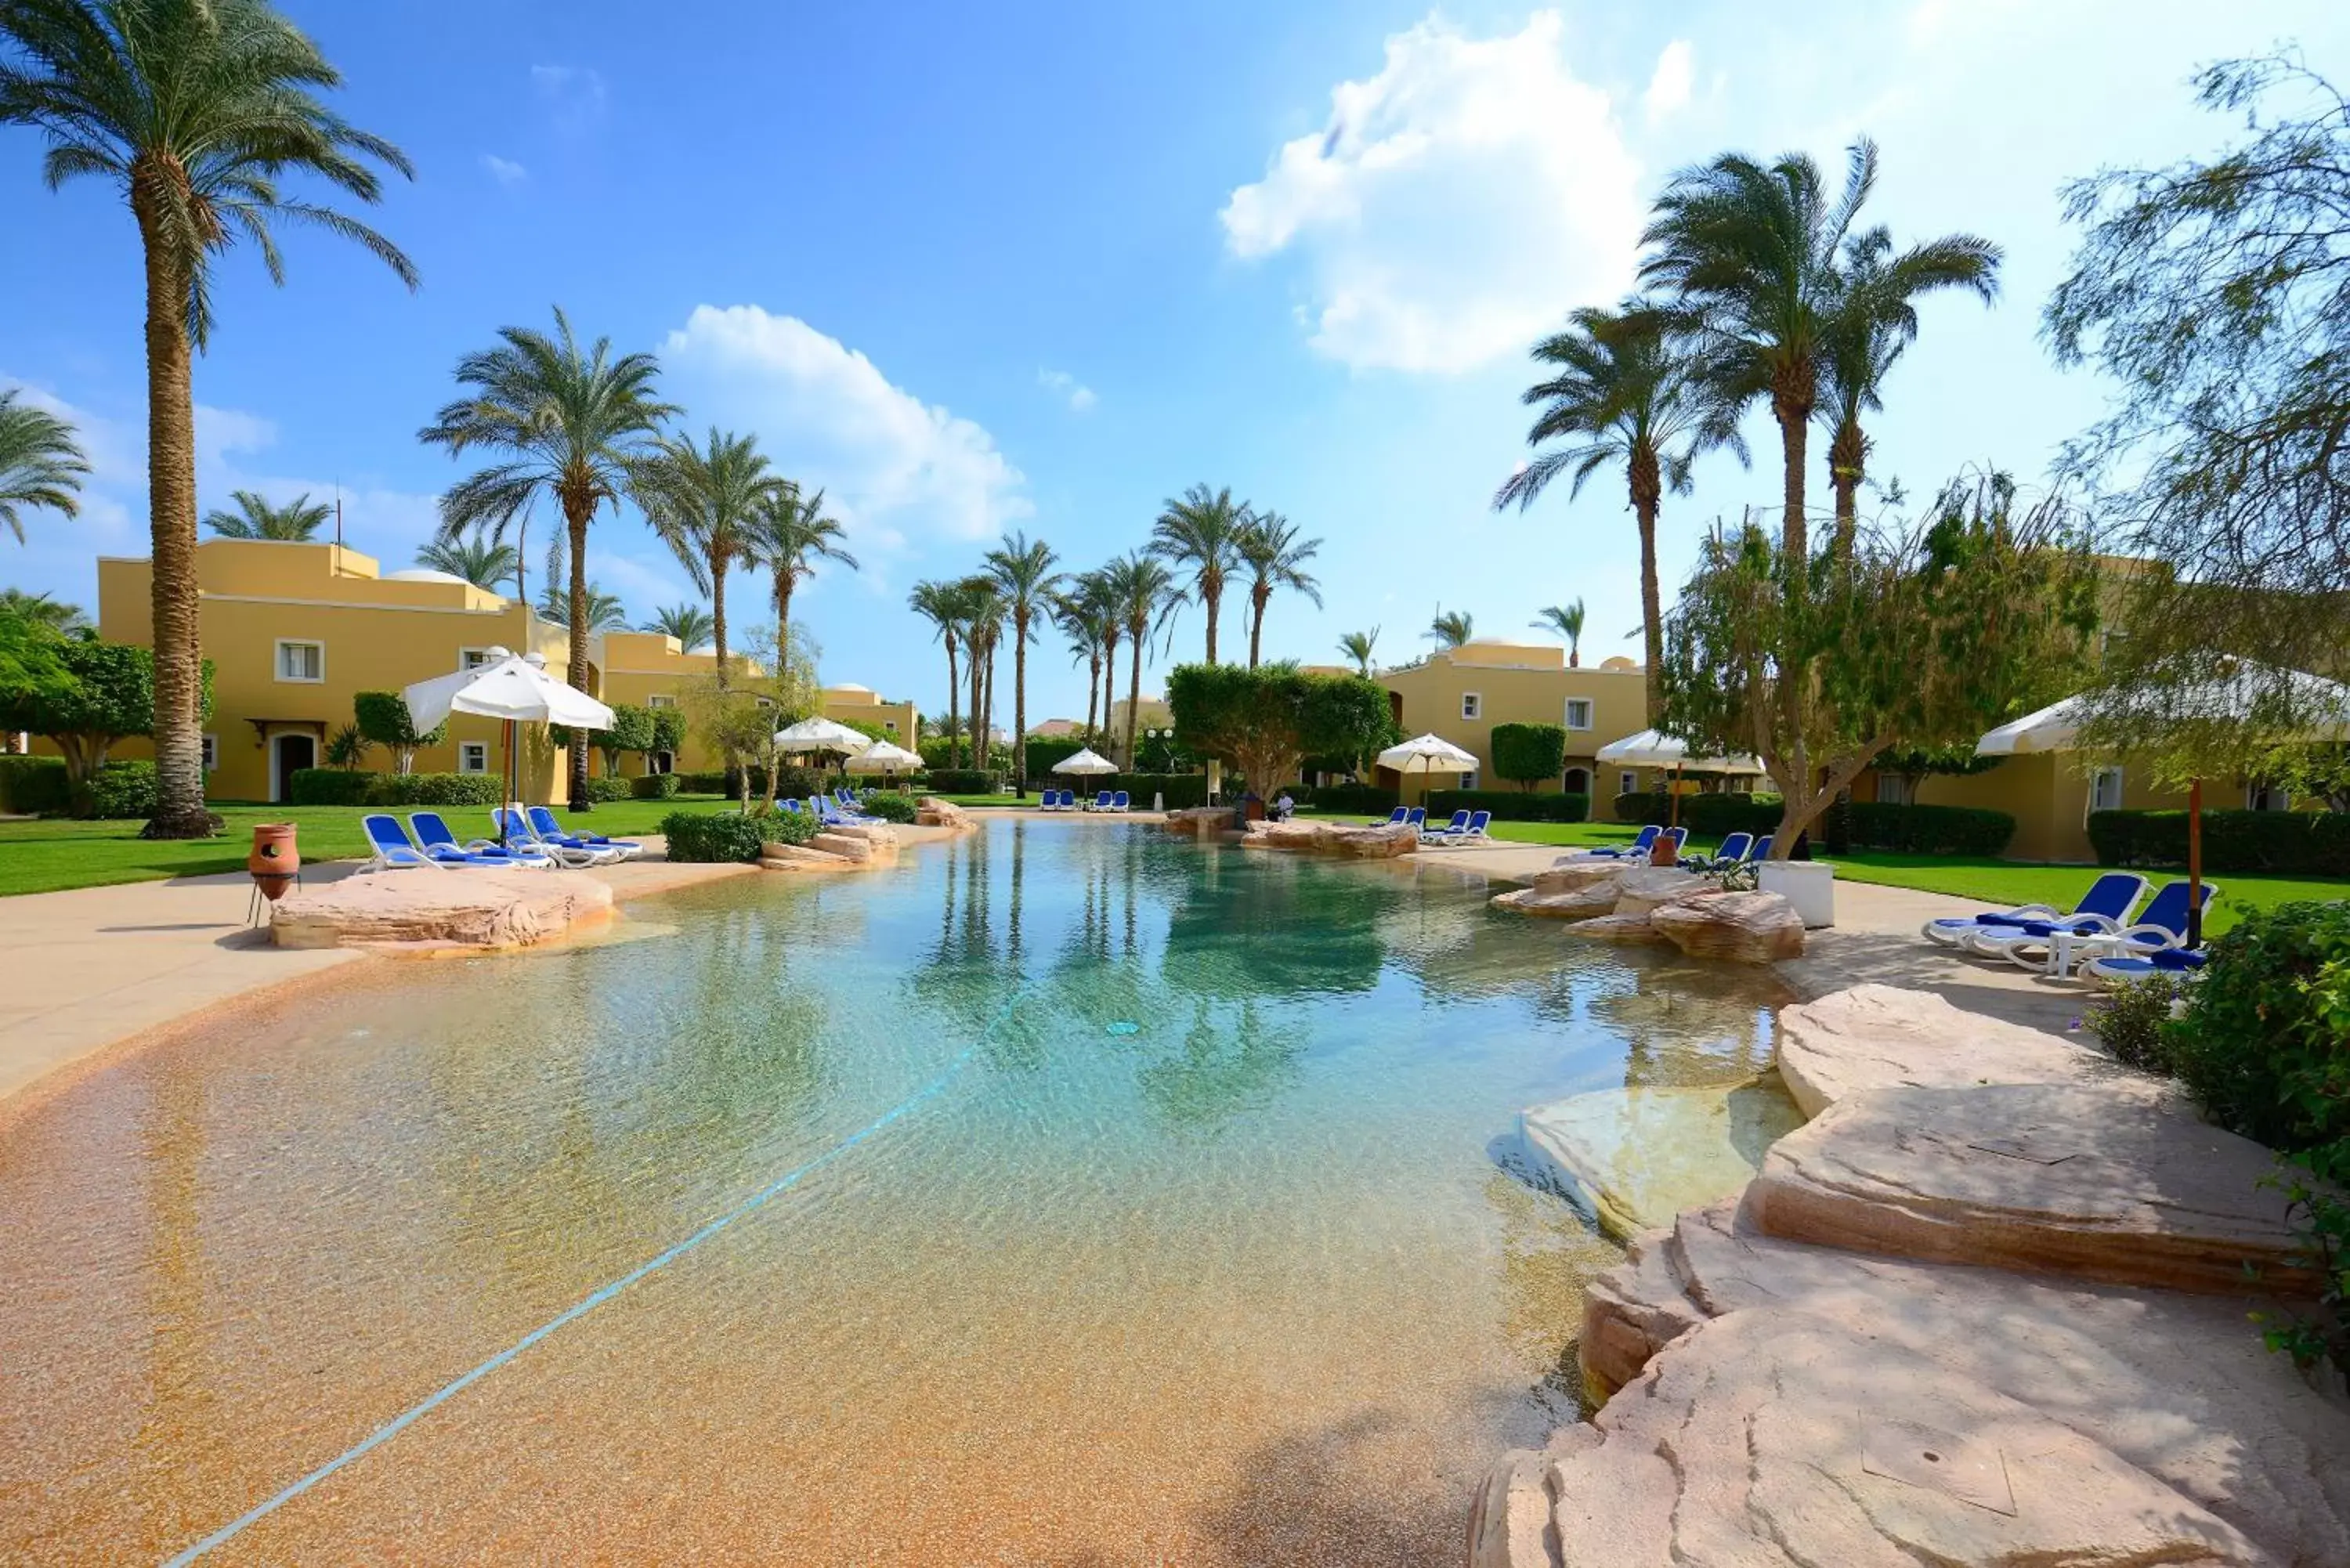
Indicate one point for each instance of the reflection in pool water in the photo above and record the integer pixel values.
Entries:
(1241, 1282)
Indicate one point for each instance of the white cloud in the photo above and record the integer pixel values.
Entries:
(1668, 88)
(574, 95)
(891, 466)
(1455, 207)
(220, 431)
(504, 171)
(1060, 383)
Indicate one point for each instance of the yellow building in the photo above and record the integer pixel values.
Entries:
(850, 703)
(1461, 693)
(2051, 794)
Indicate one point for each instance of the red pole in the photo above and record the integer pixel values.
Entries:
(2194, 863)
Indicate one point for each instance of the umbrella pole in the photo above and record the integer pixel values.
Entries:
(1673, 807)
(2194, 863)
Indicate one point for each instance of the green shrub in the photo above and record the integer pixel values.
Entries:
(2301, 843)
(788, 827)
(655, 786)
(330, 787)
(437, 789)
(965, 781)
(122, 791)
(1528, 754)
(1712, 815)
(1180, 791)
(1864, 824)
(2129, 1018)
(1509, 804)
(384, 720)
(711, 838)
(1044, 750)
(1354, 799)
(889, 807)
(604, 791)
(700, 784)
(34, 786)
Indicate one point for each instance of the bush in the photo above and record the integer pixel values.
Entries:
(889, 807)
(1865, 825)
(788, 827)
(34, 786)
(1509, 804)
(1705, 815)
(965, 781)
(700, 784)
(655, 786)
(122, 791)
(711, 838)
(2303, 843)
(1529, 754)
(2129, 1018)
(1354, 799)
(1044, 750)
(437, 789)
(606, 790)
(330, 787)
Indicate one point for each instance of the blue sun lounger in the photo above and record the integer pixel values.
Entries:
(440, 843)
(2106, 906)
(1640, 845)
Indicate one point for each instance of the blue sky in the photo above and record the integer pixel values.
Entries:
(1039, 267)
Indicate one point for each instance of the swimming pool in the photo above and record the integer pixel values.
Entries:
(1086, 1196)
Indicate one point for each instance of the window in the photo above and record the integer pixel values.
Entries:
(2106, 790)
(212, 753)
(473, 756)
(473, 658)
(1895, 789)
(302, 661)
(1473, 705)
(2266, 797)
(661, 699)
(1627, 783)
(1469, 779)
(1578, 712)
(890, 725)
(661, 761)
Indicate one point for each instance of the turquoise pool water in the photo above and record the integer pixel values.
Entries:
(1096, 1199)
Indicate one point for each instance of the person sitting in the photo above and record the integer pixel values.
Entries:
(1285, 809)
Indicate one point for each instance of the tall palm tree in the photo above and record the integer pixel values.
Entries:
(1357, 646)
(1023, 575)
(42, 610)
(1079, 611)
(983, 609)
(256, 517)
(192, 112)
(789, 534)
(705, 502)
(40, 465)
(1269, 547)
(938, 603)
(1567, 620)
(1200, 532)
(1625, 390)
(1450, 628)
(1875, 319)
(475, 556)
(1145, 594)
(688, 623)
(575, 423)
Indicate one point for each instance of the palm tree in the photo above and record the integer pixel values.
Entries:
(576, 423)
(475, 556)
(39, 463)
(705, 504)
(1626, 392)
(688, 623)
(982, 609)
(605, 611)
(1450, 628)
(255, 518)
(1875, 319)
(789, 533)
(1079, 611)
(937, 602)
(1567, 621)
(42, 610)
(1202, 531)
(1275, 556)
(1023, 575)
(191, 112)
(1357, 646)
(1144, 594)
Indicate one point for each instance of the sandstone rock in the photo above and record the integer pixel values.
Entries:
(1199, 821)
(1577, 904)
(803, 858)
(1642, 889)
(1384, 842)
(1642, 1154)
(932, 812)
(1750, 927)
(1616, 928)
(1571, 879)
(1265, 833)
(1881, 1036)
(879, 839)
(857, 850)
(2086, 1181)
(472, 907)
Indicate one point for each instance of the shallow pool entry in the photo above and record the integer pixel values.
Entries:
(1073, 1193)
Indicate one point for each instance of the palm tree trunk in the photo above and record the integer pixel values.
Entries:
(978, 741)
(1213, 594)
(1109, 691)
(1647, 492)
(718, 616)
(1795, 417)
(954, 718)
(175, 605)
(577, 518)
(1259, 596)
(1134, 682)
(1020, 703)
(1848, 460)
(1093, 691)
(785, 582)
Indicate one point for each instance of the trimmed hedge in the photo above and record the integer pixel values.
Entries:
(711, 838)
(2301, 843)
(36, 786)
(330, 787)
(122, 791)
(795, 783)
(603, 791)
(1872, 825)
(965, 781)
(654, 786)
(1509, 804)
(1705, 815)
(1354, 799)
(437, 789)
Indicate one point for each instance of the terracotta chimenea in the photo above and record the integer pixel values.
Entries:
(274, 861)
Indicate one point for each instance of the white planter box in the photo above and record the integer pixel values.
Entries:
(1808, 885)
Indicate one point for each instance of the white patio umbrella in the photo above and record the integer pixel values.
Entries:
(1654, 749)
(883, 758)
(821, 735)
(1083, 762)
(511, 687)
(1431, 755)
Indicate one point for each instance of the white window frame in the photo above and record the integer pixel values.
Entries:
(473, 756)
(1896, 789)
(1571, 704)
(1469, 779)
(212, 753)
(661, 761)
(278, 655)
(1472, 706)
(1628, 782)
(2098, 777)
(661, 699)
(2253, 792)
(471, 658)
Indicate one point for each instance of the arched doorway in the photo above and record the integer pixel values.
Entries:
(1579, 781)
(288, 754)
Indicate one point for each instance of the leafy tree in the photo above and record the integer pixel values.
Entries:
(1626, 390)
(789, 534)
(32, 662)
(40, 465)
(41, 610)
(1275, 556)
(739, 719)
(348, 748)
(1357, 646)
(1450, 628)
(706, 503)
(83, 694)
(688, 623)
(193, 113)
(632, 730)
(475, 556)
(1143, 594)
(1921, 638)
(1200, 532)
(573, 424)
(258, 517)
(1567, 621)
(384, 720)
(1024, 577)
(1528, 753)
(1265, 722)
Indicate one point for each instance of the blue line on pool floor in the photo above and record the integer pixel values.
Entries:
(589, 1302)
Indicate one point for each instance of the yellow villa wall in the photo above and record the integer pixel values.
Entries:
(643, 666)
(2048, 796)
(853, 705)
(1519, 683)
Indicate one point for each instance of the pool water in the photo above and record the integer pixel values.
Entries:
(1096, 1198)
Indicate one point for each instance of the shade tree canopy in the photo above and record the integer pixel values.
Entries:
(1265, 722)
(79, 691)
